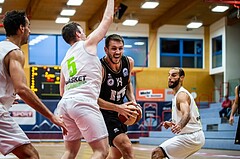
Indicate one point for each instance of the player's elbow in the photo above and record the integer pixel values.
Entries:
(187, 115)
(61, 93)
(108, 18)
(21, 90)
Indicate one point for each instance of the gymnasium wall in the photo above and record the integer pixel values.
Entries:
(197, 80)
(233, 57)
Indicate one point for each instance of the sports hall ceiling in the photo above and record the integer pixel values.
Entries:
(177, 12)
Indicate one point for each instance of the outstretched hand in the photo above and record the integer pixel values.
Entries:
(231, 120)
(176, 129)
(59, 122)
(168, 124)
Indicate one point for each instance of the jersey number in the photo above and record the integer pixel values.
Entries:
(72, 68)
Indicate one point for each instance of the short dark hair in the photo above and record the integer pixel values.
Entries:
(180, 70)
(114, 37)
(12, 21)
(69, 30)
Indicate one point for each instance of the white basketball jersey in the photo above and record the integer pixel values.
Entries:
(7, 94)
(82, 72)
(194, 123)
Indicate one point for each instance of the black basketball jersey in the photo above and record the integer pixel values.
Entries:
(114, 85)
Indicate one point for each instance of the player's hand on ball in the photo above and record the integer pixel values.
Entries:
(130, 113)
(127, 110)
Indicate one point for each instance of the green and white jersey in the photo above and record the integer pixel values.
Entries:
(194, 123)
(7, 94)
(82, 72)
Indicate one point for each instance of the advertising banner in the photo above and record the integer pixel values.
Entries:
(33, 123)
(37, 126)
(154, 113)
(154, 95)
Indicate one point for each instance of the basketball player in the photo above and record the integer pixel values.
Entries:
(80, 83)
(185, 122)
(235, 107)
(115, 87)
(12, 82)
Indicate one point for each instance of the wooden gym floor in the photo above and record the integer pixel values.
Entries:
(54, 150)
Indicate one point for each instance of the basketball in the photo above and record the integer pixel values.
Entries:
(131, 120)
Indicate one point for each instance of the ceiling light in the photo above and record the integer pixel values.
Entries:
(1, 1)
(194, 24)
(38, 39)
(62, 20)
(130, 22)
(127, 46)
(74, 2)
(150, 5)
(220, 8)
(68, 12)
(139, 43)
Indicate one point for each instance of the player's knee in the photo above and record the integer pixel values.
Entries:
(157, 153)
(27, 155)
(26, 151)
(101, 153)
(105, 152)
(126, 147)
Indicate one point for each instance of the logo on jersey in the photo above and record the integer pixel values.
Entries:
(110, 81)
(74, 82)
(119, 81)
(116, 130)
(76, 79)
(117, 96)
(125, 72)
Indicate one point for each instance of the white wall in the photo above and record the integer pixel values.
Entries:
(233, 52)
(217, 29)
(140, 30)
(48, 27)
(45, 27)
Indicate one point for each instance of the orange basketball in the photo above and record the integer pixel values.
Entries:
(131, 120)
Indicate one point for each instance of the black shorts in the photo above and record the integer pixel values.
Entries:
(115, 127)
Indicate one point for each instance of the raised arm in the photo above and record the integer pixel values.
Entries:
(99, 33)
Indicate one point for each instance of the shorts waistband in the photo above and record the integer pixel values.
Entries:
(191, 132)
(81, 99)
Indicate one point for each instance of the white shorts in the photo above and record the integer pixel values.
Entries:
(83, 119)
(182, 146)
(11, 135)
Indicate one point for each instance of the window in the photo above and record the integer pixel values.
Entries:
(217, 52)
(187, 53)
(62, 48)
(42, 50)
(51, 49)
(2, 37)
(46, 49)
